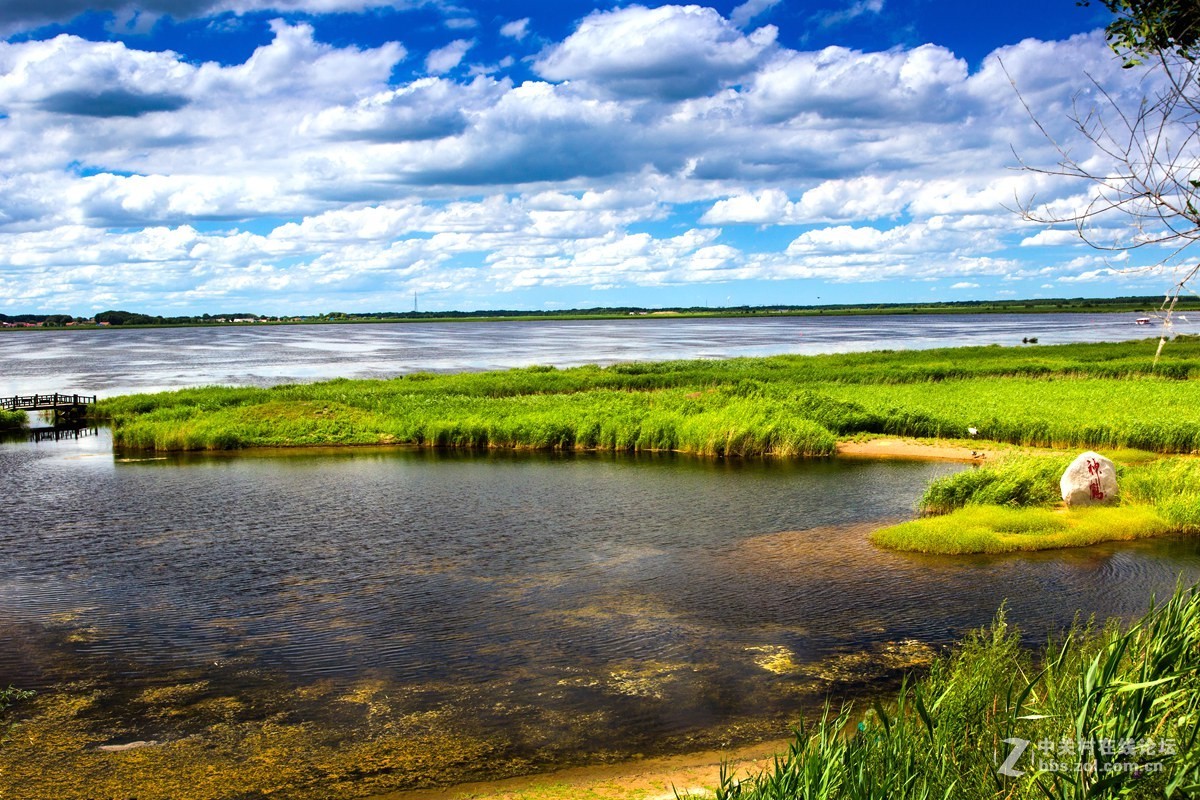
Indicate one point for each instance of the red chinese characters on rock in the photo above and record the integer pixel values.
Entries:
(1093, 468)
(1090, 479)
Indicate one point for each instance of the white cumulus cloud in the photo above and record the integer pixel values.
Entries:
(444, 59)
(517, 29)
(669, 52)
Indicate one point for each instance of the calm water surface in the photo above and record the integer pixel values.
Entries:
(118, 362)
(650, 600)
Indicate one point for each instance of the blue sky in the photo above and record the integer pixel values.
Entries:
(300, 156)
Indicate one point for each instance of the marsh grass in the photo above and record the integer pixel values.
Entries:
(1172, 485)
(1000, 529)
(1109, 395)
(943, 736)
(1014, 481)
(13, 420)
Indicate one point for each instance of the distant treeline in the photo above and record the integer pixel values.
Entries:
(1043, 304)
(132, 318)
(114, 318)
(127, 318)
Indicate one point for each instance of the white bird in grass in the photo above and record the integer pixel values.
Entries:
(972, 431)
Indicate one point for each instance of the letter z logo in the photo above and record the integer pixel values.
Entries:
(1018, 750)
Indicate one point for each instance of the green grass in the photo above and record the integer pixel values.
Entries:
(9, 697)
(1094, 395)
(944, 735)
(596, 420)
(1062, 411)
(1172, 485)
(997, 529)
(1015, 481)
(12, 420)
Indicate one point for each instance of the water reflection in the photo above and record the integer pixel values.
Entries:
(58, 433)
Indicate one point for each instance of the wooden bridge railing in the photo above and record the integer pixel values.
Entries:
(46, 402)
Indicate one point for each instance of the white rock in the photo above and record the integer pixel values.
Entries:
(1090, 479)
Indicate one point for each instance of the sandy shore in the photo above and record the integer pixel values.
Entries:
(641, 779)
(929, 450)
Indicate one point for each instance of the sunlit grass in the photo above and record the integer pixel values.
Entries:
(997, 529)
(1131, 412)
(1014, 481)
(1172, 485)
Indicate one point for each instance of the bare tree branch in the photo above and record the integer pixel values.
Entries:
(1150, 176)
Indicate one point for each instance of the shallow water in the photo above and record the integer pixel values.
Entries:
(110, 361)
(556, 606)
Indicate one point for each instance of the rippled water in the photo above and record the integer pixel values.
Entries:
(123, 361)
(646, 598)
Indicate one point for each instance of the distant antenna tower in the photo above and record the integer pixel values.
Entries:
(414, 302)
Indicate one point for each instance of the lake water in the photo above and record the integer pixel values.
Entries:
(542, 609)
(110, 361)
(556, 607)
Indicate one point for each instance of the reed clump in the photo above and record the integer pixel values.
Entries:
(1016, 482)
(1102, 713)
(13, 420)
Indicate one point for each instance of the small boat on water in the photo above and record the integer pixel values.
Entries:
(1142, 320)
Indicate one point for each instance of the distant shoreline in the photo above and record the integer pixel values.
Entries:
(1148, 305)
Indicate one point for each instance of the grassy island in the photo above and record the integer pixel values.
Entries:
(1082, 395)
(1015, 505)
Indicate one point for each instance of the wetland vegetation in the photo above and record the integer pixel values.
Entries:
(1080, 395)
(12, 420)
(941, 735)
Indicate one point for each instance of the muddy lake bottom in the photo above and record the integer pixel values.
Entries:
(343, 623)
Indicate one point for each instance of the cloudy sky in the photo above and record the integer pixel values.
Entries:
(297, 156)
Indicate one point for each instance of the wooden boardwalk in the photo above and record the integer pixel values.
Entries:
(64, 406)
